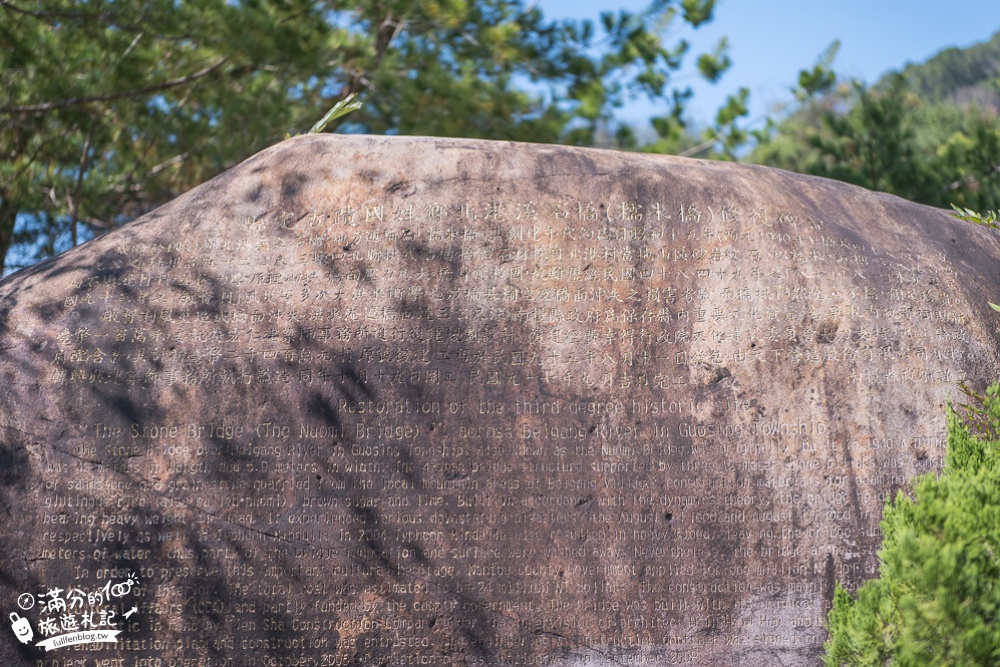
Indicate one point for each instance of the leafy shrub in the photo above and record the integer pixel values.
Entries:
(937, 598)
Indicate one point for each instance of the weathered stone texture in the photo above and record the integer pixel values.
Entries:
(422, 401)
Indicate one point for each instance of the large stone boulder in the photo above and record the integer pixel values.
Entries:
(413, 401)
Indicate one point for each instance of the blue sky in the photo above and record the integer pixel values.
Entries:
(771, 40)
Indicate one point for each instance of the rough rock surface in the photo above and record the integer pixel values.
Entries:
(378, 401)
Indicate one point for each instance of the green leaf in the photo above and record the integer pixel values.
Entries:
(987, 219)
(341, 108)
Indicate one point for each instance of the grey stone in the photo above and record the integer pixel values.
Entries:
(423, 401)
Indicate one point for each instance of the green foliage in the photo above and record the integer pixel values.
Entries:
(732, 133)
(987, 219)
(713, 65)
(930, 134)
(936, 601)
(960, 75)
(821, 77)
(978, 413)
(697, 12)
(727, 136)
(111, 108)
(874, 144)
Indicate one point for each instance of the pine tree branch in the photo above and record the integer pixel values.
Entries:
(103, 17)
(77, 101)
(388, 30)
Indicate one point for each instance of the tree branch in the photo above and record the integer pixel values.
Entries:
(80, 17)
(971, 178)
(74, 204)
(387, 31)
(76, 101)
(44, 143)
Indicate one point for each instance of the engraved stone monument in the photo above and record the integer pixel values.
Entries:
(410, 401)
